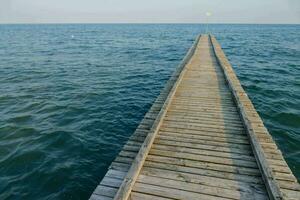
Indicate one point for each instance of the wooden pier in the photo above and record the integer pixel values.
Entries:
(201, 139)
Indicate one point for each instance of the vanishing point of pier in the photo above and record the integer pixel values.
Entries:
(201, 139)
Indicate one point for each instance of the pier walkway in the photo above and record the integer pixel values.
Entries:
(201, 139)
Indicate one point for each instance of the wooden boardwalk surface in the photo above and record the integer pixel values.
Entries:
(202, 139)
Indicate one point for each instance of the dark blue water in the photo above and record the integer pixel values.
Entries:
(71, 95)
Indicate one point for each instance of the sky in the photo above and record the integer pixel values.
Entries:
(153, 11)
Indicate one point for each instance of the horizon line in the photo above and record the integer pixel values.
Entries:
(141, 23)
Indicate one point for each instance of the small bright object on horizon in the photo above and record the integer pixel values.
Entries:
(208, 14)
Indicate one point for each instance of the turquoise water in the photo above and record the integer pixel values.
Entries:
(71, 95)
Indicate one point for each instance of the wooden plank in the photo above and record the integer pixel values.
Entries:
(206, 111)
(119, 166)
(196, 188)
(205, 179)
(204, 152)
(205, 137)
(205, 123)
(138, 196)
(205, 119)
(204, 133)
(204, 99)
(291, 194)
(205, 128)
(205, 146)
(202, 128)
(194, 141)
(124, 160)
(203, 158)
(106, 191)
(99, 197)
(116, 174)
(171, 193)
(203, 114)
(216, 108)
(206, 171)
(288, 185)
(111, 182)
(204, 165)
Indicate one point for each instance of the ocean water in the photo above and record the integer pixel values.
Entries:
(71, 95)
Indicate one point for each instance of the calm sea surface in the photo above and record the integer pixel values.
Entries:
(71, 95)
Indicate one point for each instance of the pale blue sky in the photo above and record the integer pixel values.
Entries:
(145, 11)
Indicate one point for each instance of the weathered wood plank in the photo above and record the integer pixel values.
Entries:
(197, 188)
(205, 152)
(205, 137)
(204, 165)
(171, 193)
(204, 133)
(106, 191)
(136, 196)
(204, 179)
(205, 146)
(203, 158)
(100, 197)
(240, 177)
(194, 141)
